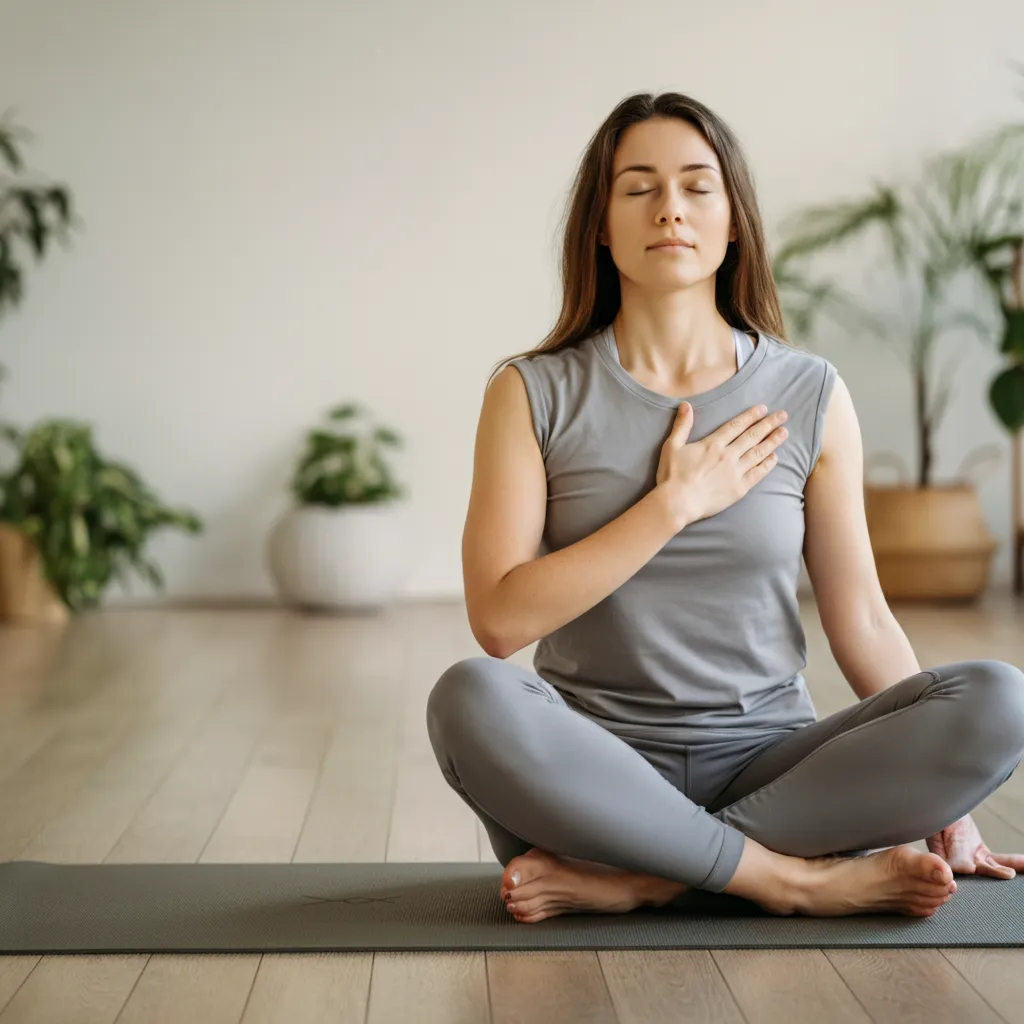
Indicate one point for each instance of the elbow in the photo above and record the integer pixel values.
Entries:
(496, 651)
(495, 647)
(489, 639)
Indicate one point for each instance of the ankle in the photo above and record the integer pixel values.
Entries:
(652, 891)
(768, 878)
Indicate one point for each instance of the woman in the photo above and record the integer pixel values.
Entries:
(640, 510)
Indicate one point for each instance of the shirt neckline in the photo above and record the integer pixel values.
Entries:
(605, 340)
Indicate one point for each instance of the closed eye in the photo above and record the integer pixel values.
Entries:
(699, 191)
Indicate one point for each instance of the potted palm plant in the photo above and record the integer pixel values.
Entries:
(929, 538)
(341, 545)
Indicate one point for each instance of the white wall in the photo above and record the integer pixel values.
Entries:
(291, 204)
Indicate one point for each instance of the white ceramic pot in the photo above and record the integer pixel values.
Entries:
(353, 557)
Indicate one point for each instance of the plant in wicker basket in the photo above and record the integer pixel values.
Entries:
(955, 223)
(87, 517)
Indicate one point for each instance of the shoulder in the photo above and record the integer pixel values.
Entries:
(554, 375)
(796, 358)
(810, 373)
(554, 382)
(552, 359)
(806, 381)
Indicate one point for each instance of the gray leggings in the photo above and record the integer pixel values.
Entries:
(894, 768)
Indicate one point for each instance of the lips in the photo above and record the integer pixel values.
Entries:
(671, 245)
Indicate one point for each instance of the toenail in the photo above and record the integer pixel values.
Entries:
(515, 877)
(512, 906)
(937, 875)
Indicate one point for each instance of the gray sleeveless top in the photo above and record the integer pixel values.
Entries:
(705, 638)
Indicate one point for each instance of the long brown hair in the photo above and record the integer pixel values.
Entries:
(745, 291)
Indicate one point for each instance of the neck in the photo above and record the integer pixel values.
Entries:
(677, 333)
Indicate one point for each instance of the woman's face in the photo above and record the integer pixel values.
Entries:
(681, 194)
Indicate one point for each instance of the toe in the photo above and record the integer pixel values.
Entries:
(516, 871)
(524, 868)
(526, 891)
(523, 908)
(929, 889)
(929, 901)
(934, 869)
(533, 918)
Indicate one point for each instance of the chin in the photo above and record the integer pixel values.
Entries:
(677, 280)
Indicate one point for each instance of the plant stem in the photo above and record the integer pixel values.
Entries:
(924, 426)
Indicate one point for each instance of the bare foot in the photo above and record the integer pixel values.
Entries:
(899, 879)
(549, 885)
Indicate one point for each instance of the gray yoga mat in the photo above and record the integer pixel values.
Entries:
(239, 908)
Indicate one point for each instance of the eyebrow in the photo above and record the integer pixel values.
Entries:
(647, 168)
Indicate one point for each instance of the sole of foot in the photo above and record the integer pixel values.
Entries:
(538, 885)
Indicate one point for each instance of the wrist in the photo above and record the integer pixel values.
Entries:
(674, 508)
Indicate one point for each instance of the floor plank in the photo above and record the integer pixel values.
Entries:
(80, 989)
(564, 986)
(788, 986)
(681, 985)
(311, 988)
(912, 985)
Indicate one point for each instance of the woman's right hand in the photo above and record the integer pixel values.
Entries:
(701, 478)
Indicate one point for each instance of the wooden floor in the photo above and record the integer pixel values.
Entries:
(206, 735)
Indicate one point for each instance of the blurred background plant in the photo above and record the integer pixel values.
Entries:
(347, 466)
(88, 517)
(33, 213)
(964, 215)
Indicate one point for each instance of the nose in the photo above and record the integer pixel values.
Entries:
(671, 207)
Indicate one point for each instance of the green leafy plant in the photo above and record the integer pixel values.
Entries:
(1002, 261)
(346, 467)
(32, 210)
(963, 211)
(89, 517)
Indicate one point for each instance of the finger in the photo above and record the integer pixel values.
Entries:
(732, 429)
(995, 871)
(986, 866)
(997, 865)
(683, 424)
(1014, 860)
(760, 430)
(760, 471)
(755, 455)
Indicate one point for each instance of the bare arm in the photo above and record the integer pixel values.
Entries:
(869, 645)
(513, 597)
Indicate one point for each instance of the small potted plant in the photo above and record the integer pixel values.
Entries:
(340, 546)
(71, 521)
